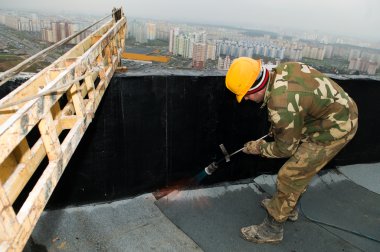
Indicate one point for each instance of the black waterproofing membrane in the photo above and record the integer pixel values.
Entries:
(151, 131)
(213, 217)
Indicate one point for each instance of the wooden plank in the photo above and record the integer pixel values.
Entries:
(56, 110)
(24, 171)
(68, 109)
(77, 99)
(90, 83)
(9, 226)
(28, 165)
(7, 167)
(35, 203)
(31, 86)
(50, 138)
(4, 246)
(68, 122)
(22, 151)
(83, 89)
(14, 130)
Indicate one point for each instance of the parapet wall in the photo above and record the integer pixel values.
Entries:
(152, 131)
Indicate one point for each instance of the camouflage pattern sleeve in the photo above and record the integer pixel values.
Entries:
(287, 127)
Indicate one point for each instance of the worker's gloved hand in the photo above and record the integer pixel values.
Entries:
(253, 147)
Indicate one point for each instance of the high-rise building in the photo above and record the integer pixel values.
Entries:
(224, 63)
(162, 31)
(227, 63)
(341, 52)
(47, 35)
(62, 30)
(372, 67)
(188, 50)
(328, 51)
(363, 65)
(242, 51)
(250, 52)
(151, 31)
(172, 37)
(220, 63)
(12, 22)
(211, 51)
(354, 54)
(199, 55)
(313, 52)
(180, 41)
(201, 37)
(281, 53)
(296, 54)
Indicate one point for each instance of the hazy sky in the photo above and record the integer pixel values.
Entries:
(358, 18)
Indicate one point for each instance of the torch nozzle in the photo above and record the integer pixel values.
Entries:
(211, 168)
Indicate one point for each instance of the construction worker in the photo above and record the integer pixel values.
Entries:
(312, 118)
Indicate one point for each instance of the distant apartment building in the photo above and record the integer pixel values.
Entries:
(188, 47)
(10, 21)
(199, 55)
(249, 49)
(162, 32)
(219, 65)
(31, 23)
(328, 51)
(313, 52)
(151, 31)
(372, 68)
(61, 30)
(211, 51)
(363, 66)
(143, 31)
(138, 30)
(224, 63)
(182, 44)
(341, 52)
(241, 51)
(200, 37)
(354, 54)
(172, 37)
(293, 53)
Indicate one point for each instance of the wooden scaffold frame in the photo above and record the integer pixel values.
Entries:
(65, 97)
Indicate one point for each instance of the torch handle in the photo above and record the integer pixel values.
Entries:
(239, 150)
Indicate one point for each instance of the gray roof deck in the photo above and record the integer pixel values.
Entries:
(209, 219)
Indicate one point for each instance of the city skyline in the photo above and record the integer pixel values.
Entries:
(354, 18)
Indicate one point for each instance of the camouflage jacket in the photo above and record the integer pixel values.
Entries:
(305, 105)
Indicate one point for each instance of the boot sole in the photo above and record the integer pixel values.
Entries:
(259, 241)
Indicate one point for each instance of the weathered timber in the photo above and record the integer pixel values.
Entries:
(36, 104)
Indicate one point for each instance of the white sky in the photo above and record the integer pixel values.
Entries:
(357, 18)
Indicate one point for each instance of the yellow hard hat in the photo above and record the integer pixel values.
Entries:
(241, 75)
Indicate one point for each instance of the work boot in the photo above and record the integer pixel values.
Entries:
(293, 216)
(270, 231)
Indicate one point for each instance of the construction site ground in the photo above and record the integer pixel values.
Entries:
(338, 205)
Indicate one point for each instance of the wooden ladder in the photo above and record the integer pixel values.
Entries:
(65, 96)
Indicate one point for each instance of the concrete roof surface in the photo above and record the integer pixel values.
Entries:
(340, 211)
